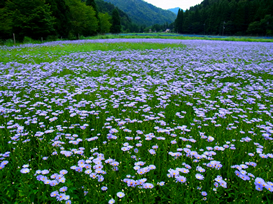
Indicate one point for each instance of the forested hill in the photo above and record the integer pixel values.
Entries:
(227, 17)
(126, 22)
(143, 13)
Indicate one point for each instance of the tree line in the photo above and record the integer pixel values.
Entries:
(227, 17)
(55, 19)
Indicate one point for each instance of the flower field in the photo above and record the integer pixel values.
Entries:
(136, 121)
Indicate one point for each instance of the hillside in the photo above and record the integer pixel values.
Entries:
(224, 17)
(174, 10)
(105, 7)
(143, 13)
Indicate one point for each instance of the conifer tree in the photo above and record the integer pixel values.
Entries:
(116, 26)
(179, 21)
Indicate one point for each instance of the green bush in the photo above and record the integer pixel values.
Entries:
(27, 40)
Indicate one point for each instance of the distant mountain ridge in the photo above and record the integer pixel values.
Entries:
(174, 10)
(143, 13)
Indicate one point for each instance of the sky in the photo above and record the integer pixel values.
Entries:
(167, 4)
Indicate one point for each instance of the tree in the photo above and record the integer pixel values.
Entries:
(116, 26)
(61, 13)
(5, 24)
(105, 24)
(31, 18)
(94, 5)
(179, 21)
(83, 19)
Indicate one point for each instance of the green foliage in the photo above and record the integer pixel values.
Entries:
(31, 18)
(126, 23)
(93, 4)
(83, 19)
(61, 13)
(179, 21)
(143, 13)
(116, 26)
(227, 17)
(105, 24)
(5, 23)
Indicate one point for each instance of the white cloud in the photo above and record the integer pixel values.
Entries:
(167, 4)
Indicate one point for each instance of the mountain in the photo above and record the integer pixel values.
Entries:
(143, 13)
(174, 10)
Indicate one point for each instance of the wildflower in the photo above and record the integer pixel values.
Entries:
(63, 189)
(152, 151)
(61, 197)
(61, 180)
(54, 194)
(223, 184)
(161, 183)
(181, 179)
(152, 166)
(199, 176)
(259, 188)
(100, 178)
(120, 194)
(111, 201)
(63, 172)
(25, 170)
(200, 169)
(259, 181)
(183, 170)
(78, 169)
(45, 172)
(204, 193)
(54, 183)
(210, 139)
(148, 185)
(104, 188)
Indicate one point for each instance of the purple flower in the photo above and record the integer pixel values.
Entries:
(104, 188)
(25, 170)
(63, 189)
(204, 193)
(199, 176)
(181, 179)
(54, 194)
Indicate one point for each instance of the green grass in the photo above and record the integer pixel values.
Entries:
(182, 37)
(54, 53)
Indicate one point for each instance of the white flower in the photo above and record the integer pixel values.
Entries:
(120, 194)
(111, 201)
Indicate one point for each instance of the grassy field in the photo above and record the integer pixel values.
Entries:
(136, 122)
(27, 40)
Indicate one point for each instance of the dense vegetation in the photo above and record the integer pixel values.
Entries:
(47, 19)
(227, 17)
(136, 121)
(126, 23)
(144, 13)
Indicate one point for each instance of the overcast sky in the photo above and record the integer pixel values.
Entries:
(167, 4)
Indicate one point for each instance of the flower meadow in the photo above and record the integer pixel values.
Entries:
(190, 122)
